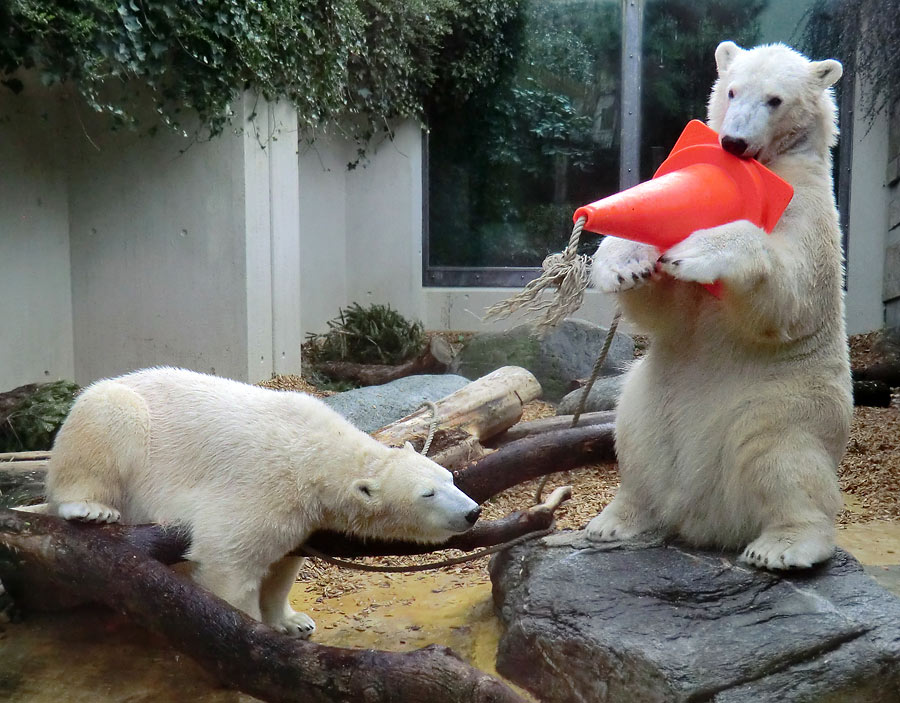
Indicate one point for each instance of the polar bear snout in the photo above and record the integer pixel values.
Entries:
(460, 511)
(734, 145)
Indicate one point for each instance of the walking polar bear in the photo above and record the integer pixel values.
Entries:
(730, 431)
(251, 472)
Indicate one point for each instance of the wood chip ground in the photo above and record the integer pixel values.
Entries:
(869, 477)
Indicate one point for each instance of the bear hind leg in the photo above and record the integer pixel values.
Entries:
(790, 547)
(275, 605)
(105, 436)
(619, 521)
(795, 490)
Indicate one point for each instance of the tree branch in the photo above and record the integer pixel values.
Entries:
(40, 554)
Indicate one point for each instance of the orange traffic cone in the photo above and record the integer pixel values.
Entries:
(699, 185)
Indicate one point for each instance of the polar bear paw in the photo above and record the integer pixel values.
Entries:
(87, 511)
(694, 260)
(295, 624)
(610, 526)
(621, 265)
(778, 551)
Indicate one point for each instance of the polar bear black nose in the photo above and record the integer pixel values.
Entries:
(472, 516)
(734, 145)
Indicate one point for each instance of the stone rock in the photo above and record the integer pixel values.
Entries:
(652, 622)
(376, 406)
(604, 395)
(565, 354)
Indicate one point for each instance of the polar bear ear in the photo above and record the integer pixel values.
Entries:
(725, 53)
(826, 73)
(409, 447)
(365, 490)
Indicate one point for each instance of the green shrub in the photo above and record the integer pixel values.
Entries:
(33, 423)
(373, 335)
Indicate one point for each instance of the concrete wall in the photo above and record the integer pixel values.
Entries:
(35, 288)
(323, 230)
(377, 236)
(119, 251)
(891, 291)
(868, 222)
(185, 253)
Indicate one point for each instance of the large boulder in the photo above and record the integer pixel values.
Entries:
(604, 395)
(612, 622)
(376, 406)
(565, 354)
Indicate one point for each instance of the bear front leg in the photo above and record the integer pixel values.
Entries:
(620, 265)
(274, 600)
(87, 511)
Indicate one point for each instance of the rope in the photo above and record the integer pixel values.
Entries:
(432, 428)
(595, 372)
(566, 271)
(431, 565)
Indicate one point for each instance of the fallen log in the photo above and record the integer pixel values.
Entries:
(435, 359)
(51, 554)
(536, 456)
(873, 394)
(481, 409)
(487, 533)
(887, 372)
(549, 424)
(42, 557)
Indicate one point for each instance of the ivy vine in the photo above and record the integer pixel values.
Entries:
(359, 62)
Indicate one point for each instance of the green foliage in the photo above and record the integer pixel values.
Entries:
(33, 423)
(865, 36)
(373, 335)
(544, 139)
(536, 144)
(679, 67)
(369, 60)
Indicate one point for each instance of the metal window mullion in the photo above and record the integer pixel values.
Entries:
(630, 130)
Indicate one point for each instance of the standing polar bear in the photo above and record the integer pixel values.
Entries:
(251, 472)
(730, 431)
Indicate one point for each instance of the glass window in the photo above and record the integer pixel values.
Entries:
(507, 170)
(680, 38)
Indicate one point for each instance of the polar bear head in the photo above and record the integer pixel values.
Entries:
(406, 496)
(771, 100)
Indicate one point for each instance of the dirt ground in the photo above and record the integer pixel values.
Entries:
(869, 478)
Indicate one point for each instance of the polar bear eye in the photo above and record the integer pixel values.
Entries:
(730, 94)
(774, 101)
(430, 494)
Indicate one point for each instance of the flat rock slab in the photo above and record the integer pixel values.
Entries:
(593, 623)
(604, 395)
(374, 407)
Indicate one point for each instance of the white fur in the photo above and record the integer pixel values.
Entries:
(730, 430)
(250, 471)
